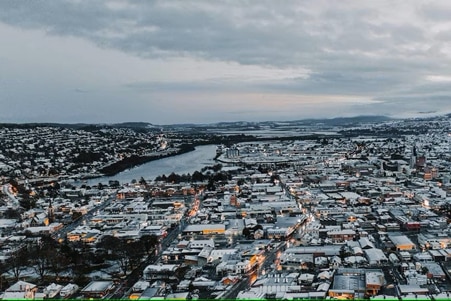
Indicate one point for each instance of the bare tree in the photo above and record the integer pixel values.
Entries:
(18, 262)
(149, 242)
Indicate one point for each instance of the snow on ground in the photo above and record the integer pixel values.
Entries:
(28, 273)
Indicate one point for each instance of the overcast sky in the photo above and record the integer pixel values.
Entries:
(206, 61)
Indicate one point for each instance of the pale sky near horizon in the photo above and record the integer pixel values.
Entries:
(206, 61)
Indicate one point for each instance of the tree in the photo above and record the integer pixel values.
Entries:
(109, 243)
(133, 252)
(43, 252)
(161, 178)
(3, 280)
(58, 263)
(69, 253)
(18, 262)
(173, 178)
(217, 167)
(76, 215)
(87, 157)
(258, 227)
(185, 178)
(424, 270)
(116, 248)
(149, 242)
(143, 182)
(221, 176)
(274, 178)
(40, 261)
(246, 232)
(343, 252)
(27, 203)
(197, 176)
(11, 214)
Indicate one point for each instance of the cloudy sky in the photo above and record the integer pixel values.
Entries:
(205, 61)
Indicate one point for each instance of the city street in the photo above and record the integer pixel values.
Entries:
(123, 290)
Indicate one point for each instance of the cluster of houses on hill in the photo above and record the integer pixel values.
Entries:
(51, 151)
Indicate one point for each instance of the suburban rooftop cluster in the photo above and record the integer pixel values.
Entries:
(49, 151)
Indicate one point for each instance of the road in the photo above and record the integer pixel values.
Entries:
(14, 202)
(61, 234)
(232, 293)
(245, 282)
(123, 290)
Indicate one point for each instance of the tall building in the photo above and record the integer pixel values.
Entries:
(50, 212)
(420, 162)
(413, 157)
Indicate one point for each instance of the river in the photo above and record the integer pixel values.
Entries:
(181, 164)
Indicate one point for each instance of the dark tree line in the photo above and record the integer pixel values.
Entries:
(44, 255)
(87, 157)
(50, 259)
(198, 176)
(127, 254)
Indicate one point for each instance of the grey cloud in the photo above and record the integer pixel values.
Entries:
(204, 86)
(411, 106)
(350, 48)
(436, 11)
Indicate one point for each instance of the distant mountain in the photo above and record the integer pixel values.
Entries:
(142, 125)
(46, 124)
(356, 119)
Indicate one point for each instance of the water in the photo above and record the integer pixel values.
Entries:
(279, 133)
(182, 164)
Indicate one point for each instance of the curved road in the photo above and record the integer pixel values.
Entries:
(7, 191)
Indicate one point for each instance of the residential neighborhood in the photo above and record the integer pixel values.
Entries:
(362, 212)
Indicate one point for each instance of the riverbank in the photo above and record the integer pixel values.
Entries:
(186, 163)
(133, 161)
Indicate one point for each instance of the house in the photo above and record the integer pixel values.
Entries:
(341, 235)
(200, 244)
(375, 256)
(205, 229)
(230, 280)
(356, 283)
(402, 242)
(52, 290)
(203, 282)
(97, 289)
(434, 271)
(160, 271)
(374, 280)
(21, 290)
(177, 296)
(233, 266)
(409, 289)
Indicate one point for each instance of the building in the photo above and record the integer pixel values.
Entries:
(205, 229)
(21, 290)
(402, 242)
(356, 283)
(375, 256)
(97, 289)
(341, 235)
(160, 271)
